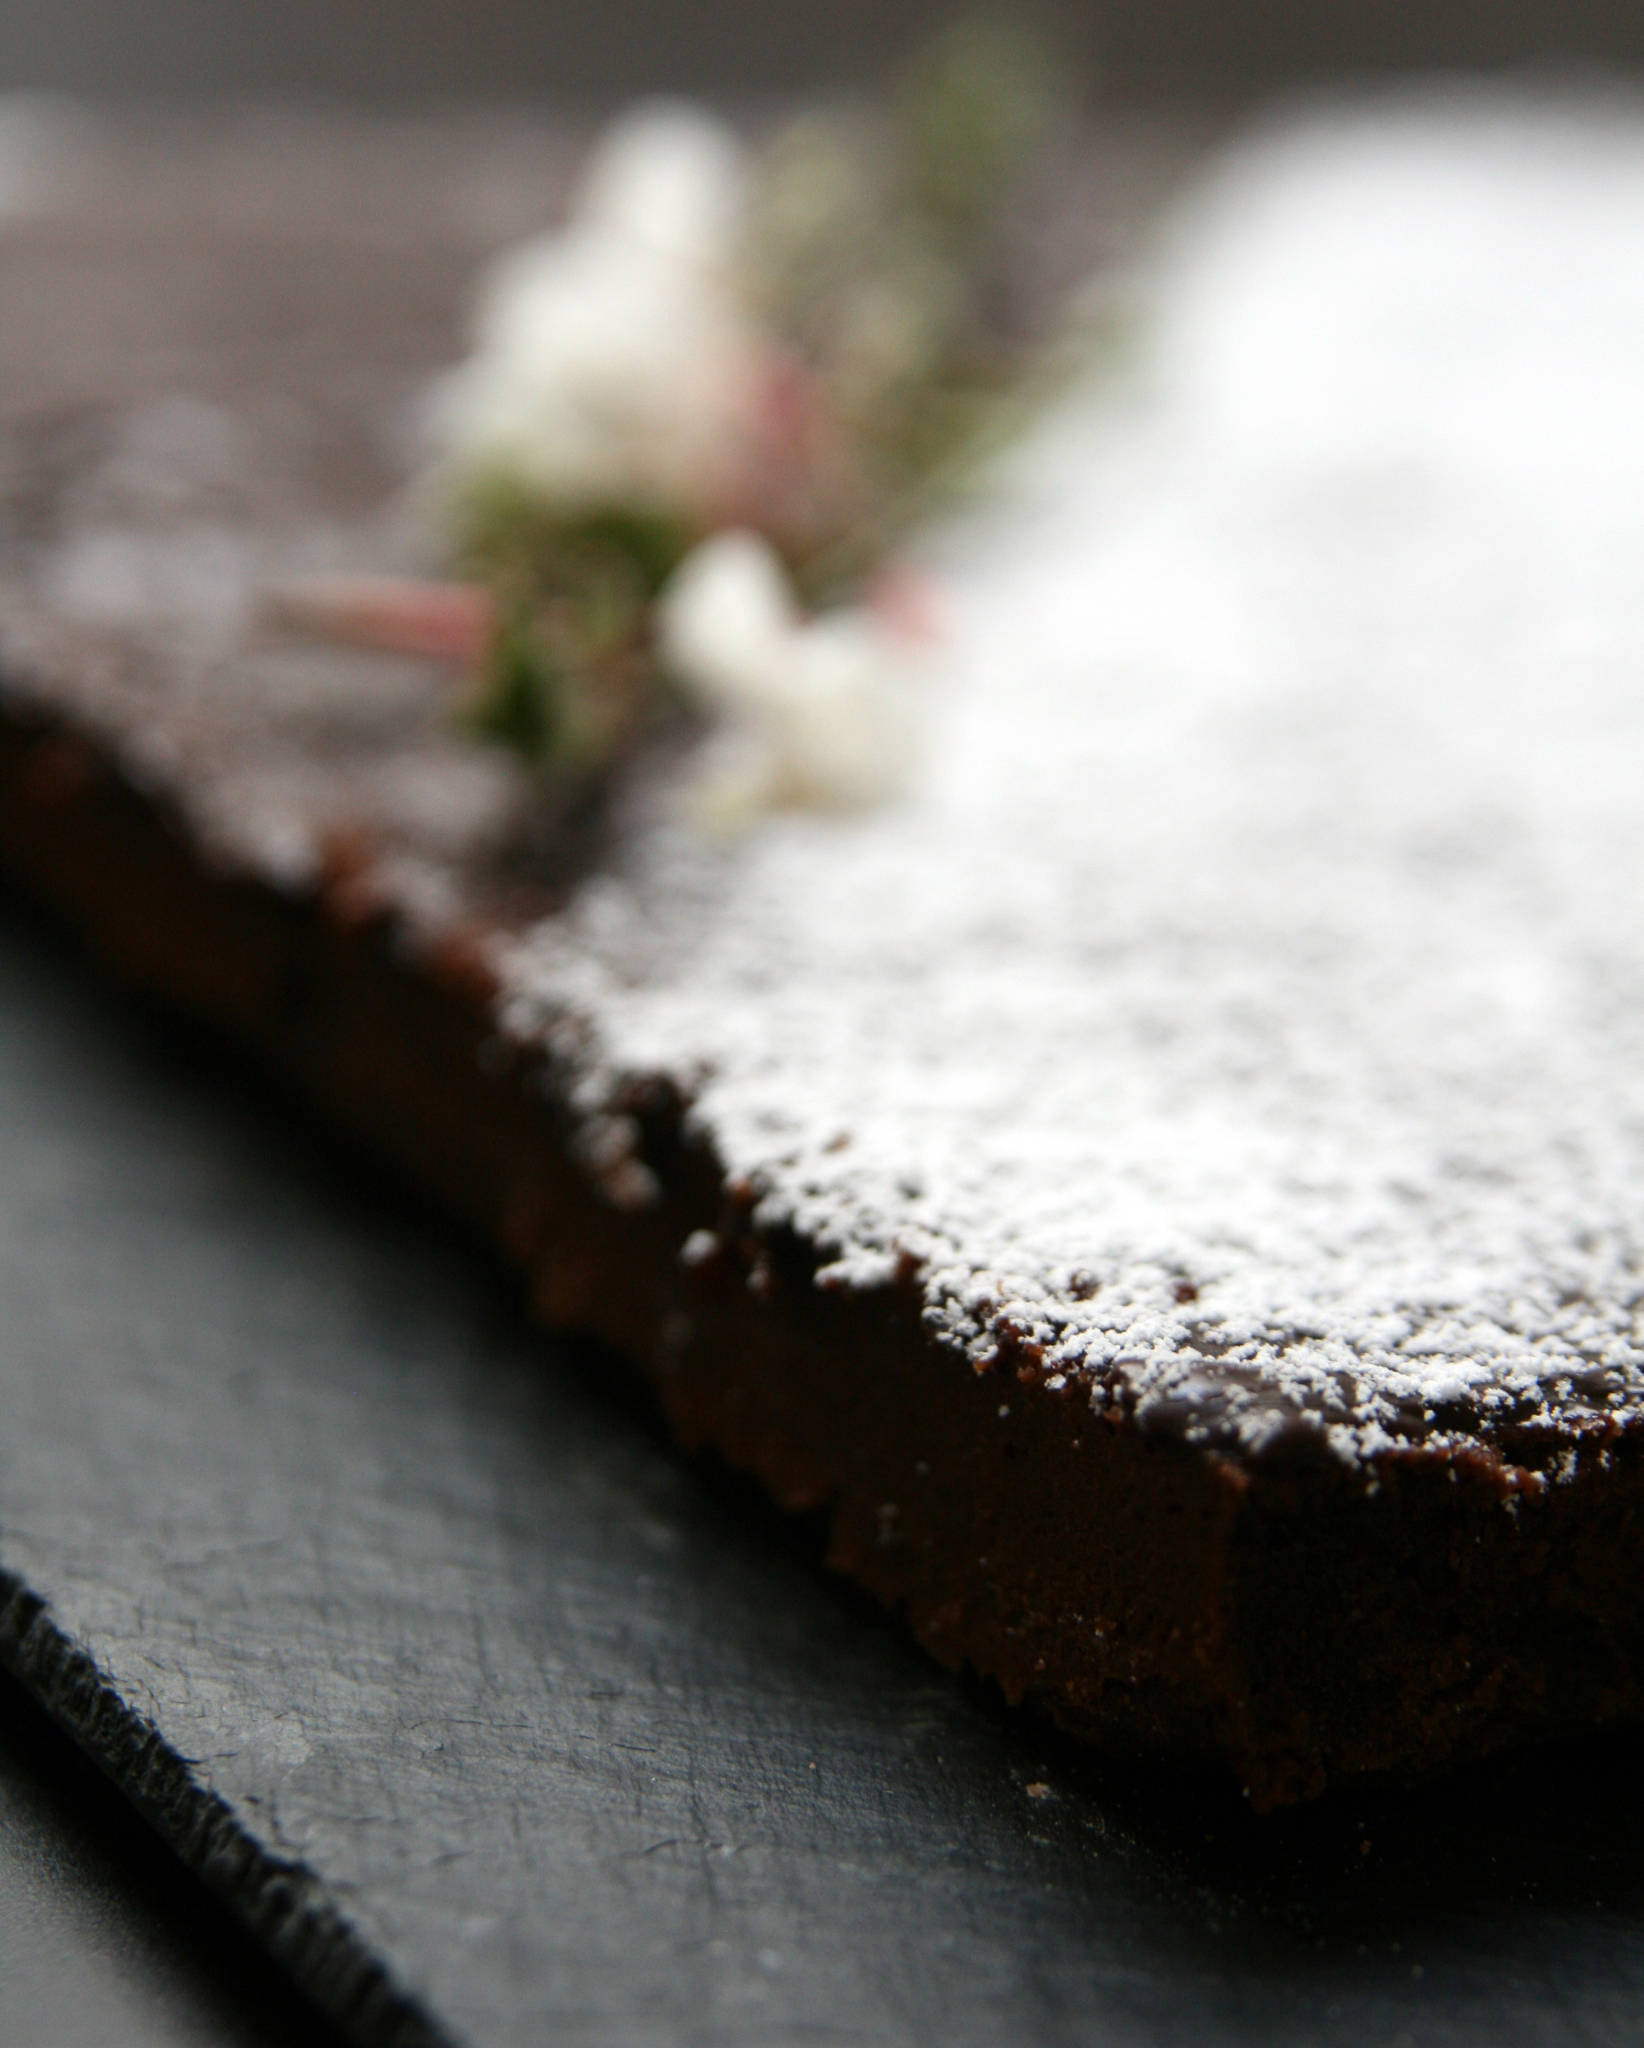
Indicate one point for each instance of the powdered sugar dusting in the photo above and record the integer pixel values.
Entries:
(1248, 1014)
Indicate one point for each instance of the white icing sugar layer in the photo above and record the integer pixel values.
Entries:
(1248, 1010)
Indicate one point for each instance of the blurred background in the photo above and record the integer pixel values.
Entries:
(399, 52)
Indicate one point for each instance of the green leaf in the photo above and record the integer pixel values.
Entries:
(977, 105)
(519, 698)
(512, 538)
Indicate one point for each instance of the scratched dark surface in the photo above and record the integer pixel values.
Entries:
(104, 1937)
(502, 1724)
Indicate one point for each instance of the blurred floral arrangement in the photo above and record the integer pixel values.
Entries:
(702, 417)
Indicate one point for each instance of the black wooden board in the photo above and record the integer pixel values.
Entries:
(504, 1724)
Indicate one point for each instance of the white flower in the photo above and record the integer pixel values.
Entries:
(817, 712)
(613, 367)
(666, 176)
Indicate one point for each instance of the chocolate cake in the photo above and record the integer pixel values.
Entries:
(1170, 1195)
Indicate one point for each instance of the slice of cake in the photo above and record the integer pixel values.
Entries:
(1171, 1193)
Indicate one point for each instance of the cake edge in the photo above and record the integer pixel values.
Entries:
(1293, 1617)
